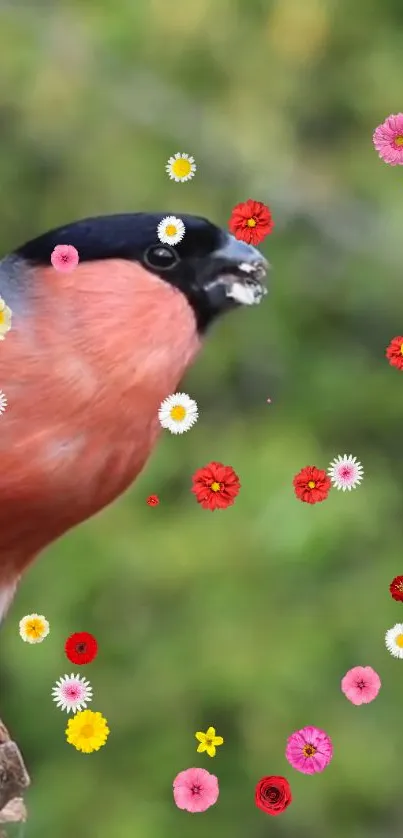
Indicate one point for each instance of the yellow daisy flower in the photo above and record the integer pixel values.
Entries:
(5, 319)
(181, 167)
(33, 628)
(208, 741)
(87, 731)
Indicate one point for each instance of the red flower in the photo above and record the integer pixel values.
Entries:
(273, 795)
(153, 500)
(394, 352)
(215, 486)
(311, 484)
(251, 221)
(396, 588)
(81, 647)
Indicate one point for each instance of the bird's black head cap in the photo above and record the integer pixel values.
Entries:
(215, 271)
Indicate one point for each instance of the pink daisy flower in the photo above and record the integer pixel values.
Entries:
(195, 790)
(361, 684)
(72, 692)
(346, 472)
(388, 140)
(64, 258)
(309, 750)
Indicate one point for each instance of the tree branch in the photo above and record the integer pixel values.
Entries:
(14, 779)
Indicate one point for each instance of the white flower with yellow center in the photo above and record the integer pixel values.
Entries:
(178, 413)
(394, 640)
(181, 167)
(33, 628)
(171, 230)
(5, 319)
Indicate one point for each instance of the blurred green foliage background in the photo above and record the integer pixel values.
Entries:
(246, 619)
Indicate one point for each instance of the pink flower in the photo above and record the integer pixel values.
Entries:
(361, 684)
(309, 750)
(388, 140)
(64, 258)
(195, 790)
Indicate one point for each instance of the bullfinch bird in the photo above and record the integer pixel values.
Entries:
(91, 355)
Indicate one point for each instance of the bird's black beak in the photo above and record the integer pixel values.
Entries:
(236, 275)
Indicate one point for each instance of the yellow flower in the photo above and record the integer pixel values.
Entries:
(5, 319)
(208, 741)
(34, 628)
(87, 731)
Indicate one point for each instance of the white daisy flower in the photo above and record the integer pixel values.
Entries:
(3, 402)
(171, 230)
(394, 640)
(345, 472)
(178, 413)
(72, 692)
(181, 167)
(5, 319)
(33, 628)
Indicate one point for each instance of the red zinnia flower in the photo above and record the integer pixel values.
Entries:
(311, 484)
(396, 588)
(251, 221)
(215, 486)
(81, 647)
(153, 500)
(394, 352)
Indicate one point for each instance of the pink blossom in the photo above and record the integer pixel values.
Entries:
(361, 685)
(195, 790)
(73, 690)
(388, 140)
(64, 258)
(309, 750)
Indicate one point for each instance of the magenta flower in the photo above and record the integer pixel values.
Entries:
(361, 684)
(309, 750)
(195, 790)
(64, 258)
(388, 140)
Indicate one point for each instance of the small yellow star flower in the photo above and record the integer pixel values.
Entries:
(208, 741)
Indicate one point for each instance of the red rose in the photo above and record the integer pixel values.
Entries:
(273, 795)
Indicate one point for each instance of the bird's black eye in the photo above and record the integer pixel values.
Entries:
(161, 256)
